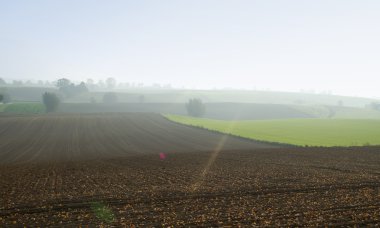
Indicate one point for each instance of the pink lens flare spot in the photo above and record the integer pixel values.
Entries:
(162, 156)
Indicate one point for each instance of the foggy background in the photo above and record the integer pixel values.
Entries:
(287, 46)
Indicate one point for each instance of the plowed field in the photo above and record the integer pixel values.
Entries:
(71, 137)
(204, 184)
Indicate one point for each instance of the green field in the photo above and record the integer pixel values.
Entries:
(2, 107)
(23, 108)
(302, 132)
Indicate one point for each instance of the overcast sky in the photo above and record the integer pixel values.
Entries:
(281, 45)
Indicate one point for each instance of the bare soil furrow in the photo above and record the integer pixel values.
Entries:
(63, 170)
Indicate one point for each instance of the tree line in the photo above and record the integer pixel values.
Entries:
(91, 84)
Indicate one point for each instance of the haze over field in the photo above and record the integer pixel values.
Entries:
(281, 45)
(197, 113)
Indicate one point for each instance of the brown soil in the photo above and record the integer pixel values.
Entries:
(72, 137)
(235, 186)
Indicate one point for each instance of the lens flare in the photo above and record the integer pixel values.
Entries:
(199, 181)
(162, 156)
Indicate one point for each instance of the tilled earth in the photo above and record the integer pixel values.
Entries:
(139, 169)
(74, 137)
(258, 187)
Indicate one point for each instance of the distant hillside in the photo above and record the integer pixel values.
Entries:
(29, 94)
(220, 96)
(338, 112)
(223, 111)
(26, 94)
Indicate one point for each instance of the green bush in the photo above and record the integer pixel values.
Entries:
(51, 101)
(195, 107)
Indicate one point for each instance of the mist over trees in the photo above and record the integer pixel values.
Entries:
(111, 83)
(90, 84)
(110, 98)
(375, 106)
(6, 98)
(195, 107)
(70, 89)
(17, 83)
(51, 101)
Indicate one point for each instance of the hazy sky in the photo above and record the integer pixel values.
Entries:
(282, 45)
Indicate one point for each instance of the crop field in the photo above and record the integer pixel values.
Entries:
(82, 136)
(301, 132)
(2, 107)
(143, 170)
(24, 108)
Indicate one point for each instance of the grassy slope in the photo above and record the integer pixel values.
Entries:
(2, 107)
(324, 111)
(24, 108)
(312, 132)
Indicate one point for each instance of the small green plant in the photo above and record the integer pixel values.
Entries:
(102, 212)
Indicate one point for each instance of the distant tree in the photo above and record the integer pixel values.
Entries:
(340, 103)
(81, 88)
(40, 82)
(375, 105)
(90, 84)
(51, 101)
(63, 82)
(111, 83)
(70, 89)
(101, 84)
(47, 83)
(109, 98)
(6, 98)
(17, 82)
(1, 97)
(89, 81)
(65, 86)
(2, 82)
(195, 107)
